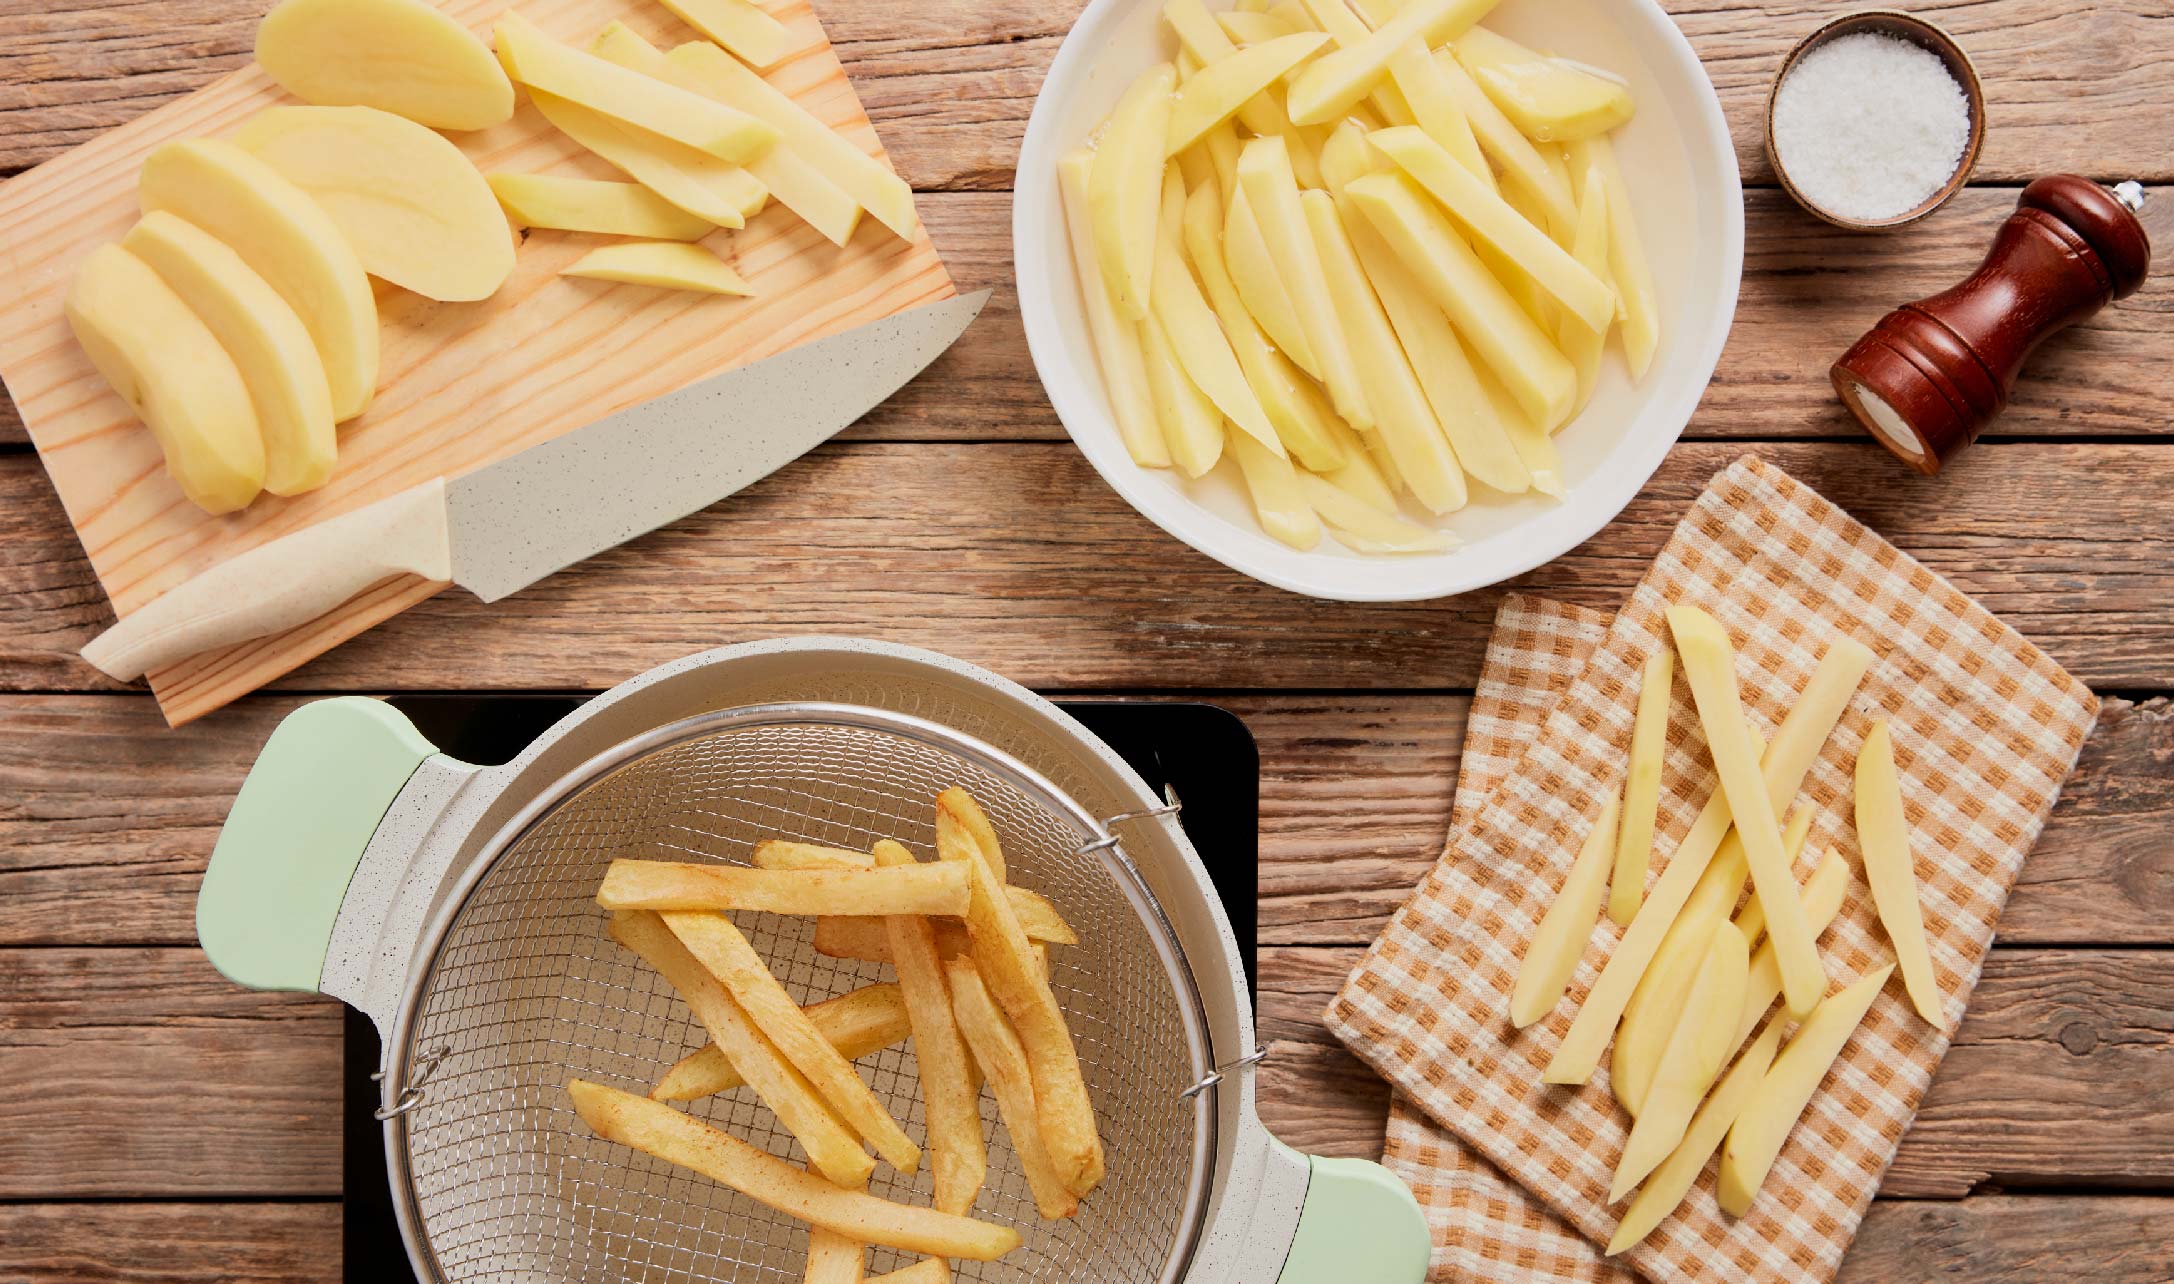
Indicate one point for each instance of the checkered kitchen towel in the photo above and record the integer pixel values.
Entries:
(1986, 728)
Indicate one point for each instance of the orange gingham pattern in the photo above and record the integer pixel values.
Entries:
(1986, 728)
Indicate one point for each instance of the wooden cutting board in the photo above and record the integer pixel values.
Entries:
(461, 384)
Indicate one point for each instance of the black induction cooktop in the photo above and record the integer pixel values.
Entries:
(1202, 754)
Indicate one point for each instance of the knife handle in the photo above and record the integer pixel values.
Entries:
(283, 584)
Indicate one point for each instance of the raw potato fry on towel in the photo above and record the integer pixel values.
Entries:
(1885, 841)
(1560, 939)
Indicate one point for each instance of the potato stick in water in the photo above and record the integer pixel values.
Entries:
(858, 1023)
(1116, 338)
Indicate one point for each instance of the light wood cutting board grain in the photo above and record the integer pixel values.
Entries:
(461, 384)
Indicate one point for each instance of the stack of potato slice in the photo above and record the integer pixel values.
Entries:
(1691, 980)
(972, 993)
(1385, 246)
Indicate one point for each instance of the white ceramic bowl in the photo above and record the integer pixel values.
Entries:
(1680, 168)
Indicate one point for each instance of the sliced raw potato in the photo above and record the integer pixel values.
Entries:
(1500, 138)
(1367, 527)
(868, 181)
(699, 183)
(1823, 895)
(1195, 333)
(539, 62)
(856, 1023)
(1260, 283)
(1117, 341)
(1264, 173)
(666, 265)
(1535, 449)
(1550, 99)
(1665, 1189)
(417, 212)
(796, 183)
(1192, 427)
(1559, 942)
(1767, 1119)
(1345, 27)
(1277, 499)
(1402, 416)
(1246, 28)
(1346, 157)
(1884, 838)
(1220, 146)
(1796, 745)
(267, 342)
(589, 205)
(1709, 666)
(1525, 359)
(1434, 107)
(170, 369)
(1494, 221)
(401, 56)
(1202, 37)
(1589, 246)
(1223, 86)
(1331, 85)
(1360, 477)
(286, 238)
(1633, 275)
(744, 28)
(1124, 192)
(1697, 1049)
(1642, 793)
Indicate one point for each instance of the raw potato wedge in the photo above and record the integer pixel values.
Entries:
(1359, 477)
(1642, 792)
(1884, 839)
(1260, 285)
(950, 1097)
(697, 182)
(1823, 895)
(1665, 1189)
(1697, 1049)
(657, 1129)
(168, 366)
(1385, 100)
(667, 265)
(1277, 500)
(1192, 427)
(1520, 161)
(1332, 85)
(856, 1023)
(1709, 665)
(1784, 763)
(1627, 264)
(1549, 99)
(996, 1047)
(539, 62)
(286, 238)
(1220, 88)
(673, 885)
(744, 28)
(268, 344)
(1589, 246)
(1434, 108)
(588, 205)
(1202, 37)
(414, 208)
(1559, 942)
(1366, 527)
(1253, 28)
(401, 56)
(1767, 1119)
(1271, 188)
(1202, 347)
(1117, 341)
(1125, 190)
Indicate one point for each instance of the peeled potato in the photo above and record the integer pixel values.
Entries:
(669, 265)
(402, 56)
(416, 211)
(166, 365)
(1550, 99)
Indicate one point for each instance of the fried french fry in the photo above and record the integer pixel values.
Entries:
(868, 1019)
(866, 939)
(962, 830)
(929, 1270)
(948, 1092)
(828, 1142)
(722, 949)
(834, 1258)
(780, 853)
(997, 1049)
(656, 1129)
(672, 885)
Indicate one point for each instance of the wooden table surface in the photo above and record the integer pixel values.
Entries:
(157, 1122)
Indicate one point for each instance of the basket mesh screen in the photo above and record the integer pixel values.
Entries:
(527, 991)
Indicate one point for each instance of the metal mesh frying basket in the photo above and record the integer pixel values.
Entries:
(522, 990)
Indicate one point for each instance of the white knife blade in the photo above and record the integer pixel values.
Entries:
(503, 526)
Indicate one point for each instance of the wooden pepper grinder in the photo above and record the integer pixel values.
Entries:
(1928, 378)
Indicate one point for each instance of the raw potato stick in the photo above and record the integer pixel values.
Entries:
(997, 1049)
(1332, 85)
(669, 265)
(1641, 310)
(656, 1129)
(675, 885)
(1520, 161)
(695, 181)
(948, 1092)
(1642, 795)
(1670, 1182)
(1884, 839)
(1795, 747)
(1124, 186)
(1116, 339)
(1271, 188)
(588, 205)
(1220, 88)
(714, 940)
(1697, 1049)
(857, 1023)
(1560, 940)
(1823, 893)
(537, 61)
(832, 1148)
(1194, 330)
(737, 25)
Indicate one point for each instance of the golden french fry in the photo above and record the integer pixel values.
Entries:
(834, 1258)
(858, 1023)
(721, 948)
(675, 885)
(963, 830)
(782, 853)
(1884, 839)
(1697, 1049)
(851, 936)
(1670, 1182)
(929, 1270)
(846, 936)
(656, 1129)
(947, 1090)
(534, 59)
(1823, 895)
(829, 1144)
(1642, 795)
(1557, 944)
(997, 1050)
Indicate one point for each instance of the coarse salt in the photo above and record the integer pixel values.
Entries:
(1869, 126)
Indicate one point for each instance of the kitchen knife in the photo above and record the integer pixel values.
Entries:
(500, 528)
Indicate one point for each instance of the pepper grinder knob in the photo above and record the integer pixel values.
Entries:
(1927, 379)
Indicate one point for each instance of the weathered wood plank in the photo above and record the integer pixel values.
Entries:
(2014, 1239)
(170, 1243)
(2062, 1073)
(1019, 558)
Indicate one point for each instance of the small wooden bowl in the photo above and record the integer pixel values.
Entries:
(1887, 22)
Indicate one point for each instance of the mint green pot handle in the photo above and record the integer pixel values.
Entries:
(296, 832)
(1359, 1225)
